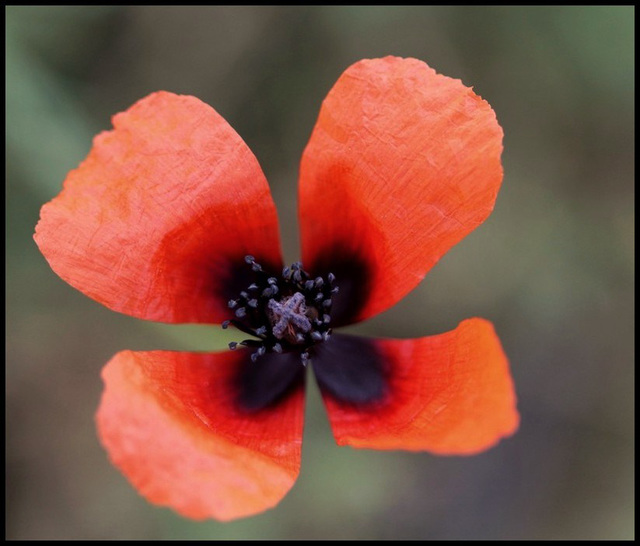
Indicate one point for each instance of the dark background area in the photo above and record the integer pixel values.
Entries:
(552, 267)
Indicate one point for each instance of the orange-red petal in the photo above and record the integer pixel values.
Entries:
(173, 424)
(449, 394)
(154, 220)
(401, 165)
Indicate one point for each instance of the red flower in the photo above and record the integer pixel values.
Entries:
(170, 219)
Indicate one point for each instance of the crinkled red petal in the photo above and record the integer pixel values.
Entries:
(448, 394)
(172, 424)
(155, 219)
(401, 165)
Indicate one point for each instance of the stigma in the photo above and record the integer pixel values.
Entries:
(288, 313)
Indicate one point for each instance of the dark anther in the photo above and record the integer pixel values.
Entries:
(287, 313)
(305, 358)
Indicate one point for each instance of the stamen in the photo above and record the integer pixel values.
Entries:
(283, 314)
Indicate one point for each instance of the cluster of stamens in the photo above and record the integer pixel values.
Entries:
(289, 313)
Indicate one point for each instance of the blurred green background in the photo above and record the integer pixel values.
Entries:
(552, 267)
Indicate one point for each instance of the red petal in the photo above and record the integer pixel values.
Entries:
(449, 394)
(171, 423)
(401, 165)
(153, 220)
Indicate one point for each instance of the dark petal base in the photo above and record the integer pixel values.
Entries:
(352, 274)
(262, 384)
(351, 370)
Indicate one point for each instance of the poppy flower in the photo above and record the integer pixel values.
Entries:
(170, 219)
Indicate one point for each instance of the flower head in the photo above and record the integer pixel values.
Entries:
(170, 219)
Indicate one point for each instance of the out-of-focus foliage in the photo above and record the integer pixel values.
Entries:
(552, 267)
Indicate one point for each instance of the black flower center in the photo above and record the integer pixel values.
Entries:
(288, 313)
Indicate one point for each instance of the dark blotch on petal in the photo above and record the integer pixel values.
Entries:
(352, 276)
(266, 381)
(351, 370)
